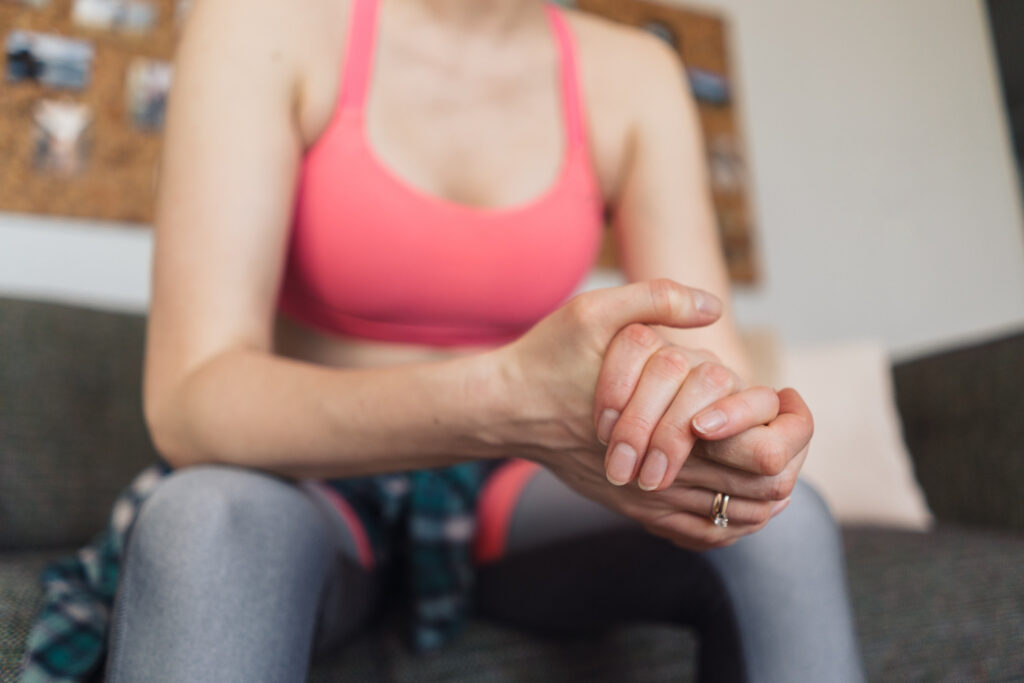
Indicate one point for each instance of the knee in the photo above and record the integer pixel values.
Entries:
(805, 534)
(222, 515)
(807, 520)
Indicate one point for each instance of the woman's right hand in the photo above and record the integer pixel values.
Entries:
(553, 369)
(556, 367)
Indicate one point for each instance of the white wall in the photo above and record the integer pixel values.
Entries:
(884, 183)
(885, 192)
(96, 263)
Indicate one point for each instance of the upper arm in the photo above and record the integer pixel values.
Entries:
(230, 158)
(663, 214)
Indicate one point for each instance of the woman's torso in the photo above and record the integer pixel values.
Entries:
(491, 134)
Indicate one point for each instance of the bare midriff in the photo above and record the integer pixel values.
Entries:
(294, 340)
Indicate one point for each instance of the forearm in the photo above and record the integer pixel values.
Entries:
(294, 418)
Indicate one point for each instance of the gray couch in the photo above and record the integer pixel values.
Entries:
(943, 606)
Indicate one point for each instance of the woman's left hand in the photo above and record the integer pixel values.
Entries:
(655, 402)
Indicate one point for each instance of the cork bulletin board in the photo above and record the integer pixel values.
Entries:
(84, 85)
(82, 97)
(701, 40)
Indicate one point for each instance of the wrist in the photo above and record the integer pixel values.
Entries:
(492, 393)
(525, 418)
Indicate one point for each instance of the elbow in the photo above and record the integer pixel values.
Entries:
(167, 441)
(170, 430)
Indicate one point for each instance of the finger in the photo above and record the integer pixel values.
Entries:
(672, 438)
(698, 532)
(620, 372)
(661, 378)
(737, 413)
(698, 501)
(659, 302)
(701, 472)
(768, 449)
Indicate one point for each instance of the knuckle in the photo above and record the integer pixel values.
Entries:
(667, 297)
(762, 513)
(690, 544)
(714, 376)
(809, 426)
(640, 335)
(710, 537)
(583, 310)
(707, 355)
(672, 361)
(780, 486)
(667, 432)
(619, 387)
(632, 423)
(659, 527)
(631, 510)
(770, 457)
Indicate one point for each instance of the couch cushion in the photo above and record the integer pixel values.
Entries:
(963, 420)
(20, 595)
(488, 652)
(941, 606)
(858, 460)
(71, 427)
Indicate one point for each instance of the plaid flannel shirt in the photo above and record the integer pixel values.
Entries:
(428, 515)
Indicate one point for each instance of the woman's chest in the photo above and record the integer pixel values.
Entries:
(476, 128)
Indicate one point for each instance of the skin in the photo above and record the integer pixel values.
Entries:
(227, 380)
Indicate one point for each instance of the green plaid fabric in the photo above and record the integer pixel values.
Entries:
(424, 520)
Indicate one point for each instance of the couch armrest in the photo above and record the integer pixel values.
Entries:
(71, 427)
(963, 421)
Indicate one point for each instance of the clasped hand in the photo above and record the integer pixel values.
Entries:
(676, 421)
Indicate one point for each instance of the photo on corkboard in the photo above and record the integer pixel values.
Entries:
(181, 9)
(130, 16)
(147, 84)
(61, 137)
(48, 59)
(27, 3)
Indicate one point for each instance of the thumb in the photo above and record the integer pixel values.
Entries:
(655, 302)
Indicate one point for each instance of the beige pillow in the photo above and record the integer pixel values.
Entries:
(858, 460)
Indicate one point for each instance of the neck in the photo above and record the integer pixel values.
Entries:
(497, 16)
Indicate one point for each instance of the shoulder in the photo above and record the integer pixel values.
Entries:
(624, 57)
(260, 31)
(634, 88)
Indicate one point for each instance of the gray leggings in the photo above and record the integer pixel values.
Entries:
(234, 575)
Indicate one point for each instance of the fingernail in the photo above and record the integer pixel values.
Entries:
(709, 421)
(605, 424)
(621, 464)
(780, 506)
(705, 303)
(653, 471)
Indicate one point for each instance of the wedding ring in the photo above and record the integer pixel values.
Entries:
(718, 509)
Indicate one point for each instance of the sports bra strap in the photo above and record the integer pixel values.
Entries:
(362, 35)
(570, 86)
(359, 63)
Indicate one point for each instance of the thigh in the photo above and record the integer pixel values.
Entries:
(776, 600)
(788, 584)
(570, 563)
(567, 565)
(523, 506)
(354, 581)
(231, 574)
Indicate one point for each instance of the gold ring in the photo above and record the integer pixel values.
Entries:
(718, 509)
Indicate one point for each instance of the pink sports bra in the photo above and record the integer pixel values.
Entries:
(371, 256)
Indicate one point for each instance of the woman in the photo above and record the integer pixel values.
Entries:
(371, 214)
